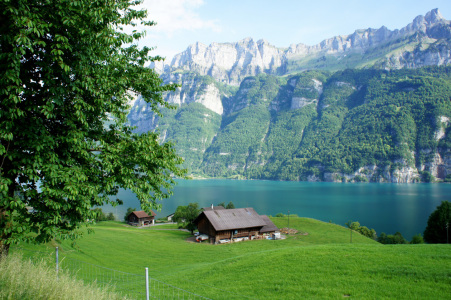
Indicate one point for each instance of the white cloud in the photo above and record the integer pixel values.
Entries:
(177, 15)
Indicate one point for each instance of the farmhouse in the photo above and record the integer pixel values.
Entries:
(141, 218)
(169, 217)
(232, 224)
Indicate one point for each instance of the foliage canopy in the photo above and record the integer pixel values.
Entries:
(185, 215)
(437, 229)
(352, 125)
(67, 73)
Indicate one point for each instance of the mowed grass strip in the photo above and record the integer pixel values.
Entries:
(321, 264)
(330, 271)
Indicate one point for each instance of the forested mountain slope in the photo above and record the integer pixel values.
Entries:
(352, 125)
(369, 106)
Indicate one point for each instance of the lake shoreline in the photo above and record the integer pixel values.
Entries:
(385, 207)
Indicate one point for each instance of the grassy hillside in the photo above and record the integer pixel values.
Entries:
(21, 279)
(321, 264)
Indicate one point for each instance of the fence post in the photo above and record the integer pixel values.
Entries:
(147, 283)
(56, 253)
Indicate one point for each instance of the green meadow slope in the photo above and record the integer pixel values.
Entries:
(321, 264)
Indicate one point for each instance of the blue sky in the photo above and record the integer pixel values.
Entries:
(280, 22)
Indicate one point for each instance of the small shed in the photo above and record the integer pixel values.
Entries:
(141, 218)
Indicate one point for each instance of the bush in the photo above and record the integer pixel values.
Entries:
(390, 239)
(363, 230)
(417, 239)
(359, 178)
(185, 216)
(371, 233)
(427, 177)
(101, 216)
(447, 178)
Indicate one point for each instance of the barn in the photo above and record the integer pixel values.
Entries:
(232, 224)
(141, 218)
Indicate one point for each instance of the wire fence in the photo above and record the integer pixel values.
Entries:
(130, 285)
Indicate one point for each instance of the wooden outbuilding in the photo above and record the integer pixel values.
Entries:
(141, 218)
(230, 224)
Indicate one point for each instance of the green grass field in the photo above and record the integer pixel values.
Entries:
(322, 264)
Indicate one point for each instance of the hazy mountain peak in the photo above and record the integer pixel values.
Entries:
(433, 16)
(232, 62)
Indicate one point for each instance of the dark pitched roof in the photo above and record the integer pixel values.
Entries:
(214, 208)
(269, 227)
(142, 214)
(226, 219)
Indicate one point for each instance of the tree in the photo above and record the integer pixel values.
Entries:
(230, 205)
(128, 212)
(101, 216)
(352, 226)
(67, 74)
(110, 217)
(365, 231)
(396, 238)
(185, 216)
(437, 229)
(417, 239)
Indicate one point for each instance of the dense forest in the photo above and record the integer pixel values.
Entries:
(351, 125)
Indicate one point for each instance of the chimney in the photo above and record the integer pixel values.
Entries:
(212, 206)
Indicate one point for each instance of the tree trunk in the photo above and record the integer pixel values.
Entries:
(4, 247)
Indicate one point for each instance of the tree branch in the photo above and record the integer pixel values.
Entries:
(4, 156)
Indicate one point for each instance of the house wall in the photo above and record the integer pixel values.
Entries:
(142, 220)
(204, 226)
(133, 219)
(237, 233)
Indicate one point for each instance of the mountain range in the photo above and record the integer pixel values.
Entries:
(373, 105)
(423, 42)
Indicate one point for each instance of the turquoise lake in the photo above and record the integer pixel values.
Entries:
(385, 207)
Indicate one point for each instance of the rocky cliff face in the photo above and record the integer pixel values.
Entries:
(195, 89)
(229, 62)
